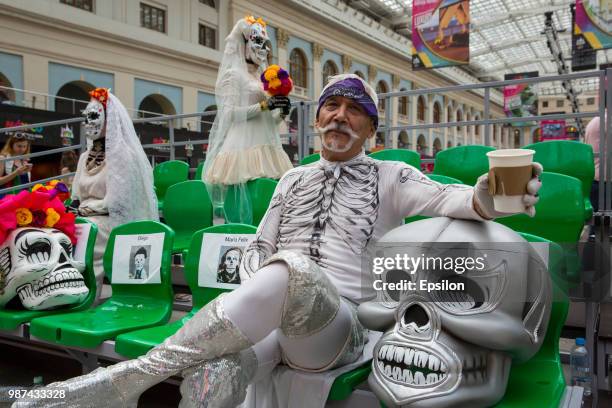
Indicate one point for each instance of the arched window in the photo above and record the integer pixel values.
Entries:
(381, 87)
(360, 75)
(329, 69)
(298, 68)
(477, 127)
(421, 108)
(402, 107)
(403, 140)
(449, 115)
(74, 97)
(421, 144)
(436, 112)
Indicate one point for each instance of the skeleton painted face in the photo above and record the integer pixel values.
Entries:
(258, 45)
(444, 347)
(95, 119)
(37, 265)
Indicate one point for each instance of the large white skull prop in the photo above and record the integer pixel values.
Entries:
(95, 118)
(37, 265)
(257, 45)
(443, 347)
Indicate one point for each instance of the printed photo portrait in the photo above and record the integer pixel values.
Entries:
(229, 265)
(220, 259)
(139, 262)
(137, 259)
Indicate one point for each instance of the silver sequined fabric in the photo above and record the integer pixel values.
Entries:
(312, 300)
(218, 383)
(207, 335)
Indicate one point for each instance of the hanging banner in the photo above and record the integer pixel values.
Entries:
(553, 130)
(594, 22)
(520, 100)
(584, 57)
(440, 33)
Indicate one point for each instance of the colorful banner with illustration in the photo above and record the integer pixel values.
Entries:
(594, 22)
(553, 130)
(584, 57)
(440, 33)
(520, 100)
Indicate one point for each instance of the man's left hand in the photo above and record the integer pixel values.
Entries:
(483, 201)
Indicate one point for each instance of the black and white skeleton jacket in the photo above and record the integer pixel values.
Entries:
(332, 211)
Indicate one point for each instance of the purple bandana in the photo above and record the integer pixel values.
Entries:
(351, 88)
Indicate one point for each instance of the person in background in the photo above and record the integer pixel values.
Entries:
(15, 172)
(68, 164)
(591, 136)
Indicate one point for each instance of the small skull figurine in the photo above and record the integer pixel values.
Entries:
(446, 347)
(37, 265)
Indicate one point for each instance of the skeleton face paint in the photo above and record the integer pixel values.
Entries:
(95, 118)
(446, 348)
(258, 45)
(37, 265)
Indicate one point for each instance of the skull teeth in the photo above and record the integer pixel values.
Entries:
(410, 366)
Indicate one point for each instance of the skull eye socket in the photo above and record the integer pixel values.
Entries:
(67, 247)
(470, 297)
(93, 116)
(37, 252)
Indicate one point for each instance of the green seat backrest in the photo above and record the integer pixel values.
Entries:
(541, 377)
(567, 157)
(559, 213)
(161, 290)
(261, 191)
(465, 163)
(443, 179)
(90, 277)
(168, 173)
(402, 155)
(310, 159)
(202, 295)
(199, 170)
(187, 206)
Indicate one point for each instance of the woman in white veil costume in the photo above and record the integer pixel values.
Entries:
(244, 142)
(113, 184)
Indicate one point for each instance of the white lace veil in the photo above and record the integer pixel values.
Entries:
(232, 99)
(129, 175)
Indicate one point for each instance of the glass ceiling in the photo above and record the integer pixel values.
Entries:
(506, 36)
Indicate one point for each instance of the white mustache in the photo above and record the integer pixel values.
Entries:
(338, 127)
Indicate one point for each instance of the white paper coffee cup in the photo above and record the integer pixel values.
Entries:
(505, 158)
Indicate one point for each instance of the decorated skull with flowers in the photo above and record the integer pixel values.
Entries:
(37, 268)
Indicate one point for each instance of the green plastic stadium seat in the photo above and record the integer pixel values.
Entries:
(539, 382)
(260, 193)
(570, 158)
(199, 170)
(131, 306)
(465, 163)
(559, 217)
(187, 209)
(402, 155)
(137, 343)
(166, 174)
(310, 159)
(10, 319)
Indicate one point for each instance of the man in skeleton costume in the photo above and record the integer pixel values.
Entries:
(301, 276)
(244, 139)
(113, 183)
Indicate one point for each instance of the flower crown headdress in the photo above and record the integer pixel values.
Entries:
(101, 94)
(41, 208)
(251, 20)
